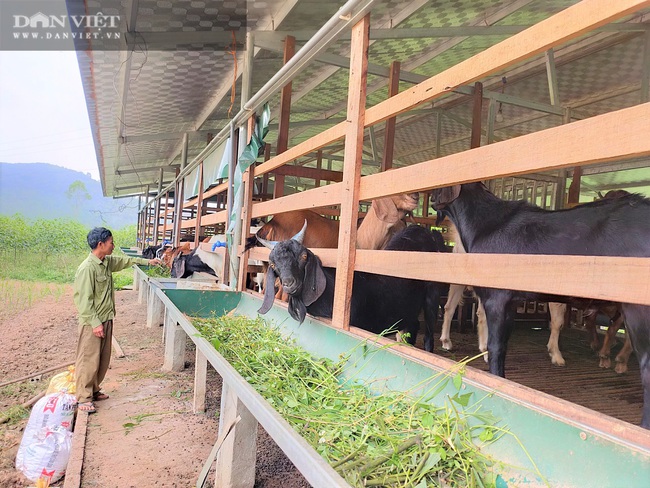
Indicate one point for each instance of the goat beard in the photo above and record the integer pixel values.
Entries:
(297, 309)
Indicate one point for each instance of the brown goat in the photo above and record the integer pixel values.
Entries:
(323, 232)
(170, 253)
(384, 218)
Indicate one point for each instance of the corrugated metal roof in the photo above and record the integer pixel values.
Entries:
(138, 129)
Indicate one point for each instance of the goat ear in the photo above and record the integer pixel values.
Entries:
(446, 195)
(297, 309)
(269, 291)
(178, 267)
(314, 283)
(385, 209)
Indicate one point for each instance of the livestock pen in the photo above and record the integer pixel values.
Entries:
(581, 438)
(533, 161)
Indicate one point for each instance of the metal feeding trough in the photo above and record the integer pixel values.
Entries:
(131, 252)
(571, 446)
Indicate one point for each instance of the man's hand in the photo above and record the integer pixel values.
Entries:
(99, 331)
(155, 262)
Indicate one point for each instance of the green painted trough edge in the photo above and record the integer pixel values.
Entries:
(130, 252)
(570, 445)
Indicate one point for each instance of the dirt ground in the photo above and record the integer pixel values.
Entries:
(145, 434)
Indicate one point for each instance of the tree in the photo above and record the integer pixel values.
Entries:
(77, 193)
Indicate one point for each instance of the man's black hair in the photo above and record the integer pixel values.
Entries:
(97, 235)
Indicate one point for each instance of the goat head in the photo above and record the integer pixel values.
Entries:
(441, 197)
(301, 276)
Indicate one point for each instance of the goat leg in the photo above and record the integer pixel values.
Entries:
(590, 325)
(623, 356)
(606, 349)
(453, 300)
(557, 312)
(500, 319)
(637, 323)
(431, 308)
(482, 329)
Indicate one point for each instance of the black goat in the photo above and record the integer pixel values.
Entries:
(186, 264)
(378, 303)
(150, 252)
(618, 226)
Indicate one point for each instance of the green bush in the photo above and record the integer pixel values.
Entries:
(48, 250)
(125, 237)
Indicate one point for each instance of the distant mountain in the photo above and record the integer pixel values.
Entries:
(39, 190)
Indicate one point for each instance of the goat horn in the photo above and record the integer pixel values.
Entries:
(301, 235)
(265, 243)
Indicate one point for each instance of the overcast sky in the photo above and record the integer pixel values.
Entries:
(43, 117)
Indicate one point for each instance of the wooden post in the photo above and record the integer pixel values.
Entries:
(156, 211)
(389, 133)
(176, 238)
(558, 197)
(199, 208)
(200, 376)
(175, 338)
(285, 99)
(319, 166)
(139, 243)
(574, 188)
(178, 196)
(477, 115)
(236, 460)
(573, 195)
(147, 217)
(164, 232)
(351, 172)
(265, 178)
(229, 202)
(245, 137)
(285, 112)
(247, 207)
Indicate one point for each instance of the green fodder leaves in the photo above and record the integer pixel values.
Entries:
(157, 271)
(387, 439)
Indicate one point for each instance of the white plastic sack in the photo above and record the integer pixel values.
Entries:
(45, 455)
(43, 448)
(53, 410)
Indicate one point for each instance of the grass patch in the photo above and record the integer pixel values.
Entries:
(182, 394)
(123, 279)
(13, 415)
(55, 268)
(16, 296)
(22, 389)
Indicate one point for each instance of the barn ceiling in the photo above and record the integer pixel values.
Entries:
(178, 77)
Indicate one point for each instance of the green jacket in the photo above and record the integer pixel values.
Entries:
(93, 287)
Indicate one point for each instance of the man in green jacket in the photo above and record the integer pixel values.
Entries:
(95, 300)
